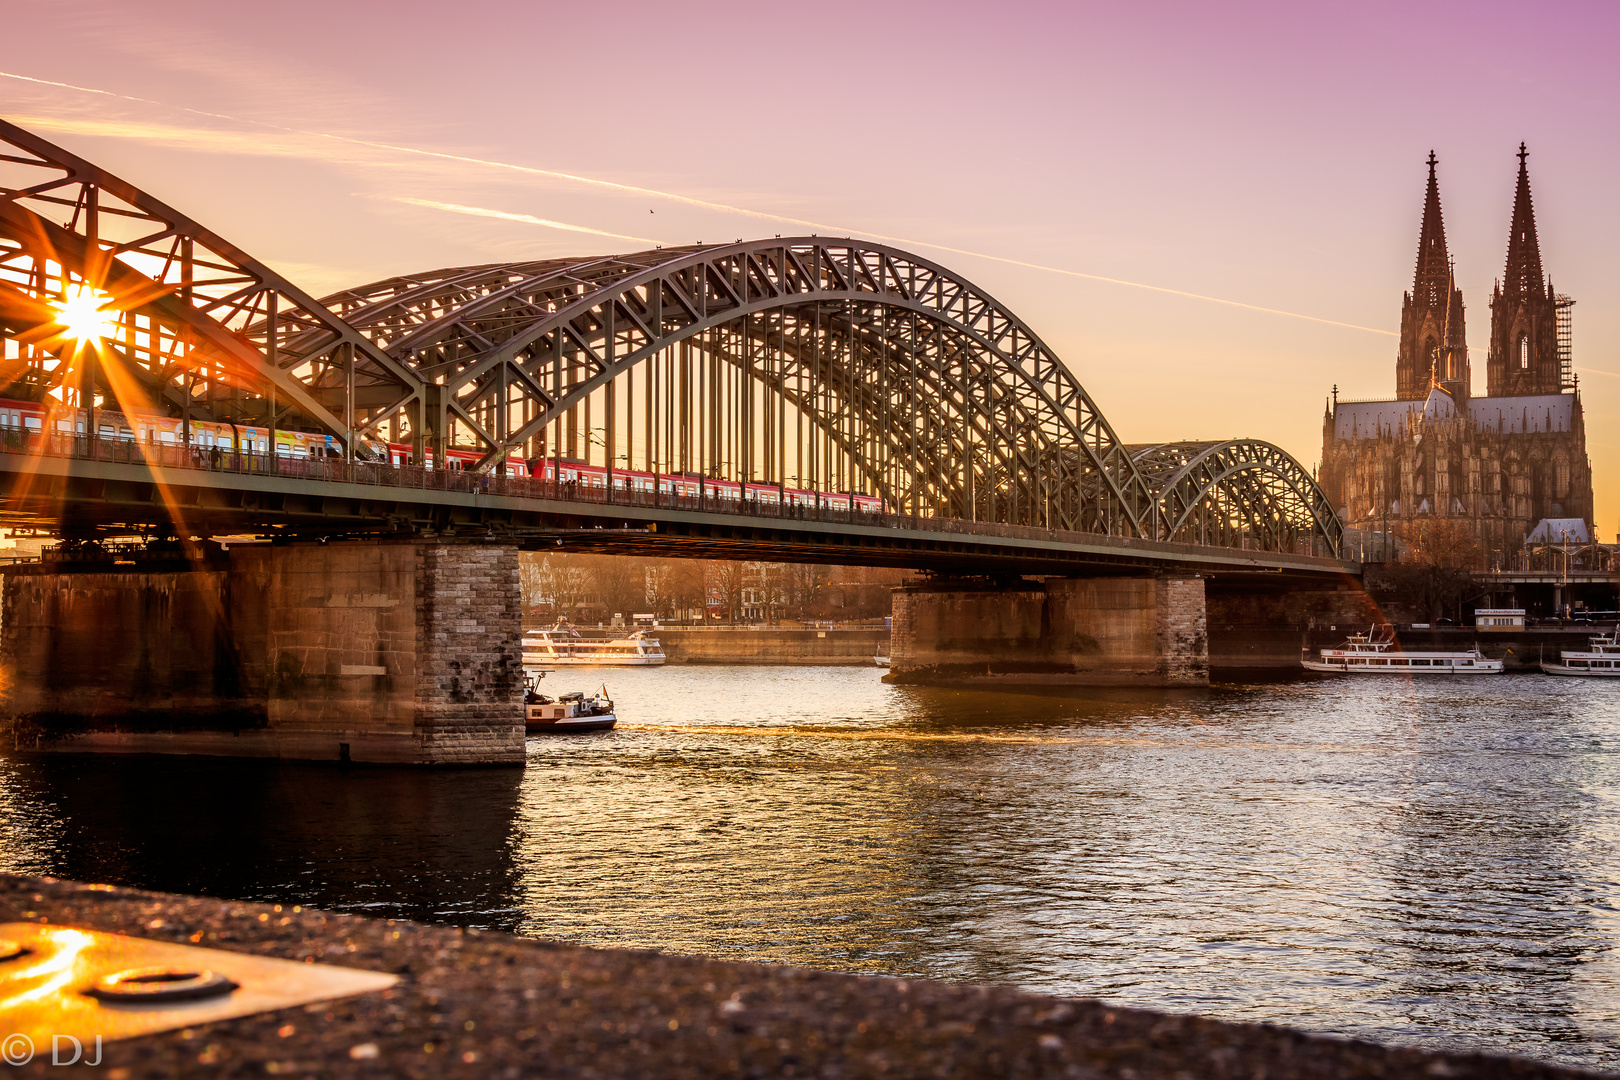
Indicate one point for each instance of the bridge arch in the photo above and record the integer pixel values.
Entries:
(201, 328)
(922, 388)
(1236, 493)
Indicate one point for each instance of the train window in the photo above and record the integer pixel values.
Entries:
(31, 422)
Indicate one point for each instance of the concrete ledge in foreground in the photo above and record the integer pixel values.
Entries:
(491, 1005)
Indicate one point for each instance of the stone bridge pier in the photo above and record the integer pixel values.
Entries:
(394, 651)
(1136, 631)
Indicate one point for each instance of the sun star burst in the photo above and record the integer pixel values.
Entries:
(83, 313)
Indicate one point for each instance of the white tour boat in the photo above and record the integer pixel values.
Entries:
(561, 645)
(567, 713)
(1602, 659)
(1375, 653)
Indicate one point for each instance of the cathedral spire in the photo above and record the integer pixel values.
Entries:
(1432, 315)
(1525, 357)
(1429, 284)
(1524, 277)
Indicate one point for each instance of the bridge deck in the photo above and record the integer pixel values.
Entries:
(71, 486)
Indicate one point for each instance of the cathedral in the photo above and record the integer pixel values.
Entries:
(1511, 465)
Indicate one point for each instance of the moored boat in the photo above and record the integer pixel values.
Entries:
(1376, 653)
(562, 645)
(1600, 660)
(566, 713)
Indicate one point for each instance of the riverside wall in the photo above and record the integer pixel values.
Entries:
(1137, 631)
(772, 645)
(1259, 625)
(396, 652)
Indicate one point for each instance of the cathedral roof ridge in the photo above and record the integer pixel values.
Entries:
(1525, 414)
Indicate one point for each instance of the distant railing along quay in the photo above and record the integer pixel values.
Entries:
(411, 477)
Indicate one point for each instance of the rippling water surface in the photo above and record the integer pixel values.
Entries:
(1431, 863)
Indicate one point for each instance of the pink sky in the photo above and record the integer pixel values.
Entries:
(1268, 154)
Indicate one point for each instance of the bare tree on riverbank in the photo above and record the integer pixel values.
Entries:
(1433, 574)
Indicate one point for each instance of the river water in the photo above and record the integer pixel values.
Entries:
(1432, 863)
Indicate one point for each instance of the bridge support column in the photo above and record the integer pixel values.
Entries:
(1141, 631)
(402, 652)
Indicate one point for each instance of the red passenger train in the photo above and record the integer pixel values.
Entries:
(30, 417)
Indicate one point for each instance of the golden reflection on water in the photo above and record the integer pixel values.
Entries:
(886, 735)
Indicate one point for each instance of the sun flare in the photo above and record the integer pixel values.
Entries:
(83, 312)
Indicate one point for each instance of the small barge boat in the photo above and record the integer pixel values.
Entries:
(1600, 660)
(567, 713)
(562, 645)
(1375, 653)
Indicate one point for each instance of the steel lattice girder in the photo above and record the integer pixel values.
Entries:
(1245, 479)
(464, 327)
(198, 320)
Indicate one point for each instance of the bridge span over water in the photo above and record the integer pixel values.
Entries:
(809, 364)
(805, 398)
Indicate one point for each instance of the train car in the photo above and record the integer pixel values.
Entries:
(29, 417)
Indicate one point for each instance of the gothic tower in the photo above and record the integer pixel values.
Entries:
(1434, 346)
(1524, 357)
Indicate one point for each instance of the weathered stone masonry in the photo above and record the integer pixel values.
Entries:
(403, 652)
(469, 649)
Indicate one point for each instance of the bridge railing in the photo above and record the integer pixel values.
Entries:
(832, 508)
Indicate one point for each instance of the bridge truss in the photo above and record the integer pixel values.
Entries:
(826, 364)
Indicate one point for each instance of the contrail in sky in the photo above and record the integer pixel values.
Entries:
(527, 219)
(686, 200)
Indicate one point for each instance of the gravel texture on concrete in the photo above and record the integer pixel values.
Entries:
(493, 1005)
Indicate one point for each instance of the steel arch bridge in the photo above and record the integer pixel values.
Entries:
(826, 364)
